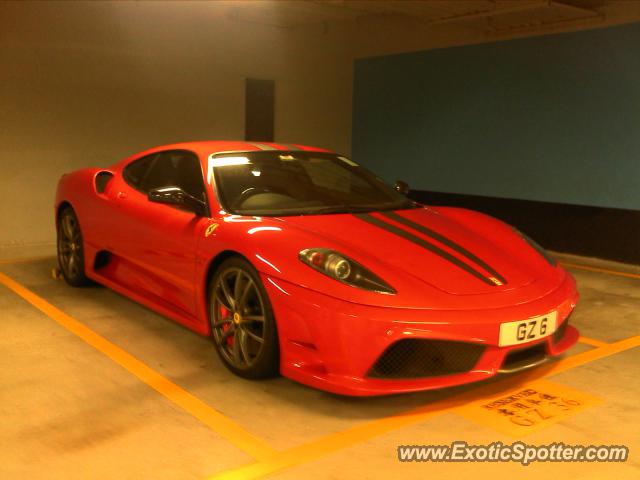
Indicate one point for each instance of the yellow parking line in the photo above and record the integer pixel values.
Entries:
(526, 404)
(592, 341)
(337, 441)
(269, 459)
(600, 270)
(221, 424)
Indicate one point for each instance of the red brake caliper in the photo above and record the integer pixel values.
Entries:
(224, 313)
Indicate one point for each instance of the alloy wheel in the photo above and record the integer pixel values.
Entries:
(239, 317)
(70, 246)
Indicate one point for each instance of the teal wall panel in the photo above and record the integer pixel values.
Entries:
(553, 118)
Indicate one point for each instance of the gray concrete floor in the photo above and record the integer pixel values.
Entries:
(68, 411)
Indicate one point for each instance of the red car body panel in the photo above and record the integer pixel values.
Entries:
(330, 334)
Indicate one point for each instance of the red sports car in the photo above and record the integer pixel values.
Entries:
(300, 261)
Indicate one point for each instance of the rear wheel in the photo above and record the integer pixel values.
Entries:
(71, 249)
(242, 322)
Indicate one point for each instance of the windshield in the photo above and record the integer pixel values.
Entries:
(299, 183)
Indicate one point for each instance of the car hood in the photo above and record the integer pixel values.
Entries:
(460, 254)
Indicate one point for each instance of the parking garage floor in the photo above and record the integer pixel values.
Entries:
(96, 386)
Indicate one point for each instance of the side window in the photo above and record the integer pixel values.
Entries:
(135, 171)
(176, 168)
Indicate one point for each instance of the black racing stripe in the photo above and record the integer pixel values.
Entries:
(444, 240)
(261, 146)
(290, 147)
(424, 244)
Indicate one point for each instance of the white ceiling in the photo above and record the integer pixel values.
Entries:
(491, 16)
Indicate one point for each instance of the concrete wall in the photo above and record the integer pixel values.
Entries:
(84, 84)
(550, 118)
(87, 83)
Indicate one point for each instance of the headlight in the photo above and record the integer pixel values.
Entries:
(344, 269)
(552, 261)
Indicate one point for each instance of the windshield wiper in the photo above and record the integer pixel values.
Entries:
(336, 209)
(346, 209)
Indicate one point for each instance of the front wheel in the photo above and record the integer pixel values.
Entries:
(71, 249)
(242, 322)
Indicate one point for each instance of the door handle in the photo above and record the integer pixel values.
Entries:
(121, 195)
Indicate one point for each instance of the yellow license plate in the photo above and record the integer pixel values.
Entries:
(523, 331)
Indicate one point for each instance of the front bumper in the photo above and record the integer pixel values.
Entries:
(332, 344)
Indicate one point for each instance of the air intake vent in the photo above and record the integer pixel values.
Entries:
(102, 180)
(418, 358)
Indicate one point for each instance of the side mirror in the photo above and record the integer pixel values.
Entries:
(177, 196)
(402, 187)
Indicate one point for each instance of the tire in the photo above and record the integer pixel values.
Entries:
(243, 327)
(71, 249)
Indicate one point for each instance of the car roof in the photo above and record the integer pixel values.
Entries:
(208, 147)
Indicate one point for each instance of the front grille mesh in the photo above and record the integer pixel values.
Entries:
(419, 358)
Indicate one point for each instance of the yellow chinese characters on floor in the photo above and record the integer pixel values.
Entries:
(528, 409)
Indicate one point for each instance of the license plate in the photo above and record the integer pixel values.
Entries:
(523, 331)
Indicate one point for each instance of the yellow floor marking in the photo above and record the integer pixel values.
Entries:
(365, 431)
(528, 409)
(592, 341)
(10, 261)
(600, 270)
(270, 460)
(221, 424)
